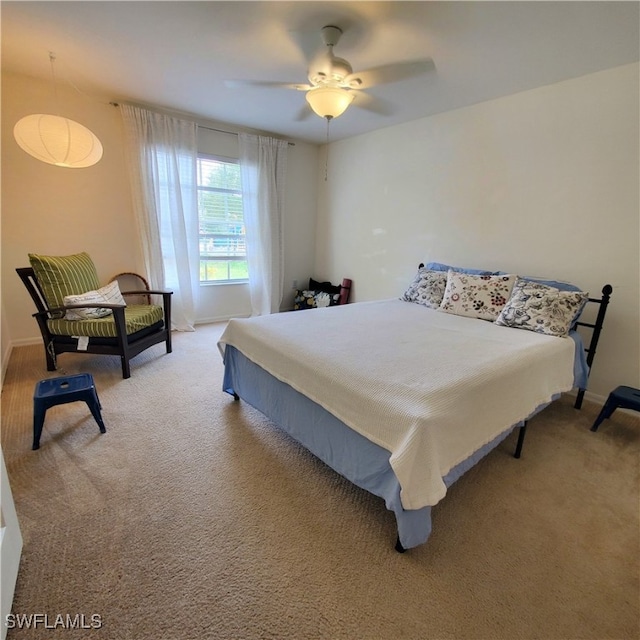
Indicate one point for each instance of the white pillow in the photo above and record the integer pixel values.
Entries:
(109, 294)
(476, 296)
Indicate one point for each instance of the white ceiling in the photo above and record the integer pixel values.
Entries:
(177, 55)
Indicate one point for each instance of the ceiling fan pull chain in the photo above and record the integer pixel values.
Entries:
(326, 155)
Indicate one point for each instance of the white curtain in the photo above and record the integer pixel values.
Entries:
(162, 160)
(263, 164)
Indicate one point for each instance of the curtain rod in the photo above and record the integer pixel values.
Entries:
(231, 133)
(201, 126)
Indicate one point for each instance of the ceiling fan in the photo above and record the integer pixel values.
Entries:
(332, 83)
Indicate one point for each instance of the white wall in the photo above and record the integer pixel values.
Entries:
(47, 209)
(58, 211)
(544, 182)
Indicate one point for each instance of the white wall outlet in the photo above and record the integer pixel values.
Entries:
(294, 284)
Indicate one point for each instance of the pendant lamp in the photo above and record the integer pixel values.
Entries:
(57, 140)
(329, 102)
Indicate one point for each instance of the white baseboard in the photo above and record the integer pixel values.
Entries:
(600, 400)
(5, 363)
(25, 342)
(217, 319)
(591, 397)
(6, 356)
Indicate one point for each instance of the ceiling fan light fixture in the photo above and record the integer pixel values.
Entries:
(57, 140)
(329, 102)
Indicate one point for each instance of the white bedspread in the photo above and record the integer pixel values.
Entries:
(430, 387)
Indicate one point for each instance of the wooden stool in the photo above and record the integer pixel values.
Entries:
(623, 397)
(53, 391)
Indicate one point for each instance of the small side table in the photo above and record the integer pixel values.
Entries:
(61, 390)
(620, 397)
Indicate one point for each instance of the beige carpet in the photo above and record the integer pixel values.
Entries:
(195, 517)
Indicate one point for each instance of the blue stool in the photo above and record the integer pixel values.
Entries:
(61, 390)
(623, 397)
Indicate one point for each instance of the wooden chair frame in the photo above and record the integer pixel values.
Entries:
(123, 345)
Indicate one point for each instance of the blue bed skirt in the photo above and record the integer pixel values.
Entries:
(343, 449)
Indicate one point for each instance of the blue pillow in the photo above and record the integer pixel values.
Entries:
(562, 286)
(438, 266)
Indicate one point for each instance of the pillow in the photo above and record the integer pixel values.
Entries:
(427, 288)
(541, 308)
(311, 299)
(325, 287)
(557, 284)
(90, 297)
(476, 296)
(438, 266)
(60, 276)
(109, 294)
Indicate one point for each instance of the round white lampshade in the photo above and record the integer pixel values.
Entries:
(57, 140)
(329, 102)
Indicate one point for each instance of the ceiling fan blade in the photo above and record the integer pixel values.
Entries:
(235, 84)
(307, 41)
(370, 103)
(389, 73)
(303, 113)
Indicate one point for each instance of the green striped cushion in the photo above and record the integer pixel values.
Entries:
(136, 316)
(61, 276)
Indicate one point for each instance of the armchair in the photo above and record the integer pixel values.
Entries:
(120, 329)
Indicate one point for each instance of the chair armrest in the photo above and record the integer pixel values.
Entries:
(99, 305)
(45, 315)
(144, 292)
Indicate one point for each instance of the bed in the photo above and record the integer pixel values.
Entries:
(403, 396)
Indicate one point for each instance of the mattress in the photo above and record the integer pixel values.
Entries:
(430, 388)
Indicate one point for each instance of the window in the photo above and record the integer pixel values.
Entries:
(223, 253)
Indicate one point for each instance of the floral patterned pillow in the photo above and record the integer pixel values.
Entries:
(427, 288)
(543, 309)
(308, 299)
(476, 296)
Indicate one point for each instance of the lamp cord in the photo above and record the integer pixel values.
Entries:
(52, 58)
